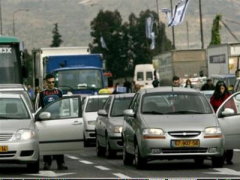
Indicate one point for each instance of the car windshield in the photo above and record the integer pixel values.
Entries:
(13, 108)
(77, 79)
(175, 103)
(94, 104)
(119, 105)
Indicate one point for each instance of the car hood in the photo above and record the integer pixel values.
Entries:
(180, 122)
(11, 125)
(90, 116)
(116, 121)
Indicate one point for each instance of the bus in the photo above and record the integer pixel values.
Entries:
(11, 67)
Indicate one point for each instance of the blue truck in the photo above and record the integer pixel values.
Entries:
(79, 74)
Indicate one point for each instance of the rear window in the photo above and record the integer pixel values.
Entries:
(139, 76)
(149, 76)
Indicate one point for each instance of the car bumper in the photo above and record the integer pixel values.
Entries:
(116, 142)
(162, 148)
(24, 151)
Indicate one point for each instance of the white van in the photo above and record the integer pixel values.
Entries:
(144, 75)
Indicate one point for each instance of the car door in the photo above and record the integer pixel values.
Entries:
(60, 126)
(229, 119)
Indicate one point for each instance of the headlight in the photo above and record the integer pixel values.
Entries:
(153, 134)
(91, 122)
(212, 132)
(23, 134)
(117, 129)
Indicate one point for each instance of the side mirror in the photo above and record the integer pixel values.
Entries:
(44, 115)
(227, 112)
(129, 112)
(102, 112)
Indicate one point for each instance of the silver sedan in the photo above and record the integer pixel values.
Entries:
(171, 123)
(109, 124)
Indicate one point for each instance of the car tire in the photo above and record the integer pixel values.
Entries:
(85, 142)
(217, 162)
(99, 149)
(127, 158)
(33, 167)
(140, 162)
(109, 152)
(199, 161)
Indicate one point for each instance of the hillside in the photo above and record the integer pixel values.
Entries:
(74, 17)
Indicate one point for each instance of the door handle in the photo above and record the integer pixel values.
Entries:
(76, 123)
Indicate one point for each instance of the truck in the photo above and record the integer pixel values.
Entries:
(40, 54)
(12, 68)
(182, 63)
(223, 63)
(79, 74)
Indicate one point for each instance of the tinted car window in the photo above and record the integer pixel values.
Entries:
(13, 108)
(94, 104)
(175, 103)
(119, 105)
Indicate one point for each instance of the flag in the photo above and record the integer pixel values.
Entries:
(103, 44)
(179, 13)
(152, 46)
(149, 27)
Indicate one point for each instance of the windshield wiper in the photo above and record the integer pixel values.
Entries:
(152, 112)
(185, 112)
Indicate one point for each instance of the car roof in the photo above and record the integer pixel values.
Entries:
(6, 95)
(97, 96)
(123, 95)
(12, 87)
(168, 89)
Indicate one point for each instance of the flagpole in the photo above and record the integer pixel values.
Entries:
(1, 17)
(201, 25)
(173, 31)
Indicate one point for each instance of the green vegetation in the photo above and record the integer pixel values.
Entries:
(126, 42)
(216, 37)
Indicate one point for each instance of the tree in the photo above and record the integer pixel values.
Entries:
(56, 41)
(216, 37)
(126, 43)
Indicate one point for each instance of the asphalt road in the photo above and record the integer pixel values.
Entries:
(87, 165)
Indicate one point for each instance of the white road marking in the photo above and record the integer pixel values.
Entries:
(71, 157)
(122, 176)
(85, 162)
(224, 171)
(237, 150)
(49, 174)
(102, 168)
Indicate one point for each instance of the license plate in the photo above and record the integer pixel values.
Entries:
(186, 143)
(3, 148)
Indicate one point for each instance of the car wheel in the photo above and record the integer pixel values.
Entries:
(85, 142)
(140, 162)
(100, 150)
(109, 152)
(217, 162)
(127, 158)
(33, 167)
(199, 161)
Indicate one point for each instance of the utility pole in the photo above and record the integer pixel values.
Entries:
(201, 26)
(173, 31)
(187, 34)
(1, 17)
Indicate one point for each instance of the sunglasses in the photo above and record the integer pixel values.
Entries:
(50, 82)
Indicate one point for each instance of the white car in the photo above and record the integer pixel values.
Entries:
(19, 141)
(56, 129)
(90, 108)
